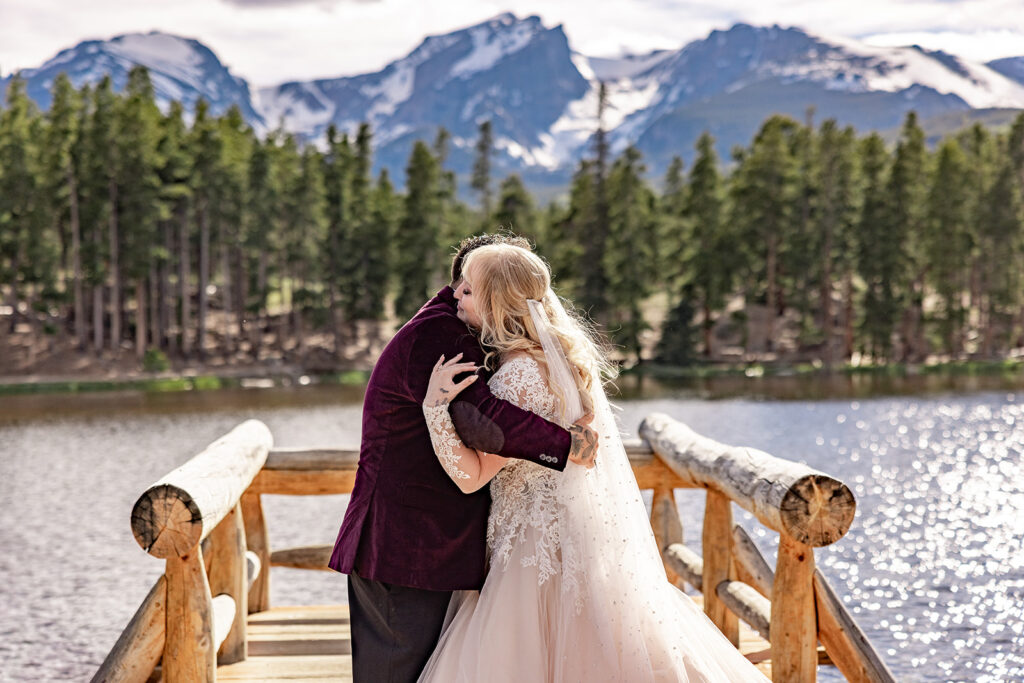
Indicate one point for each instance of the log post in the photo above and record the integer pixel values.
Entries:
(666, 525)
(228, 575)
(180, 510)
(794, 626)
(138, 650)
(786, 496)
(716, 542)
(750, 563)
(188, 647)
(256, 540)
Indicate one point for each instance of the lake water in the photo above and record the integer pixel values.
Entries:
(932, 568)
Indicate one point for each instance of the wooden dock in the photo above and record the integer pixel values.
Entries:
(209, 616)
(313, 644)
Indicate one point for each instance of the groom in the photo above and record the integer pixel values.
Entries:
(410, 536)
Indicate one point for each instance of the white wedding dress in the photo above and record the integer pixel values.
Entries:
(576, 589)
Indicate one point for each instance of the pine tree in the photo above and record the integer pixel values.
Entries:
(21, 219)
(907, 194)
(175, 194)
(231, 215)
(205, 144)
(947, 241)
(481, 180)
(1000, 238)
(838, 208)
(416, 241)
(594, 286)
(764, 190)
(61, 181)
(515, 210)
(385, 213)
(138, 183)
(338, 166)
(631, 248)
(879, 252)
(370, 240)
(709, 261)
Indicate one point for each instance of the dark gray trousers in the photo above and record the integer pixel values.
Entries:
(394, 629)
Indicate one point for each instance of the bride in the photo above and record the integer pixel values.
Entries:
(576, 589)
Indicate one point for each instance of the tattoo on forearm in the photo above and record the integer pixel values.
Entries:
(584, 443)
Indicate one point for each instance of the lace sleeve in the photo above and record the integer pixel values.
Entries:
(519, 381)
(445, 440)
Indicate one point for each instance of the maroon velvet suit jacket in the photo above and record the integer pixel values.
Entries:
(407, 523)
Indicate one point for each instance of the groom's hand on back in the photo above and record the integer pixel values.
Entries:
(584, 442)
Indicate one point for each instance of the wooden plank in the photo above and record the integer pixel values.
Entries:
(668, 529)
(311, 643)
(786, 496)
(746, 603)
(228, 575)
(753, 568)
(846, 644)
(716, 542)
(303, 483)
(305, 557)
(686, 563)
(794, 630)
(141, 644)
(256, 541)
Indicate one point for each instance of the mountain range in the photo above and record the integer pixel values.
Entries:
(541, 96)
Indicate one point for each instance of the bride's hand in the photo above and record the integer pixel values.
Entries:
(443, 388)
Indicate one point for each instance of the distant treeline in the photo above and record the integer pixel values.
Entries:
(119, 222)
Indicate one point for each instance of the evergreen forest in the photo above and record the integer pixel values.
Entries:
(128, 230)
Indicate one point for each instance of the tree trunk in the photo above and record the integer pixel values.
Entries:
(115, 271)
(241, 290)
(261, 308)
(97, 317)
(140, 317)
(204, 277)
(81, 329)
(771, 266)
(706, 310)
(155, 337)
(826, 297)
(848, 315)
(184, 263)
(227, 302)
(164, 289)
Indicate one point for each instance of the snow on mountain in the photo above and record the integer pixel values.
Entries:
(1011, 67)
(181, 69)
(856, 67)
(542, 98)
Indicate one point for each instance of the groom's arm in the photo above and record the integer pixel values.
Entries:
(484, 422)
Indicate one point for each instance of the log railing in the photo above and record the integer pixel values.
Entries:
(205, 519)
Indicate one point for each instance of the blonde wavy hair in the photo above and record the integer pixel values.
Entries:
(502, 277)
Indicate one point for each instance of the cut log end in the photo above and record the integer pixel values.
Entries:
(166, 522)
(817, 510)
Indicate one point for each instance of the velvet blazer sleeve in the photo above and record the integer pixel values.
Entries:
(484, 422)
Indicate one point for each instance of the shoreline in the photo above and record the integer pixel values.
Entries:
(208, 379)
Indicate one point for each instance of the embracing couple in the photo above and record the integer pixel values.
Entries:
(549, 574)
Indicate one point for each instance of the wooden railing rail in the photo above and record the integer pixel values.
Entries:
(791, 606)
(206, 520)
(195, 615)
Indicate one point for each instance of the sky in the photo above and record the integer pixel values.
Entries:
(271, 41)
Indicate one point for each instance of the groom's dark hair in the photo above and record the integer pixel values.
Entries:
(470, 243)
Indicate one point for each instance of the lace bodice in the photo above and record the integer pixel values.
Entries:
(524, 494)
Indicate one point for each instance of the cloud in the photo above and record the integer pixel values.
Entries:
(261, 4)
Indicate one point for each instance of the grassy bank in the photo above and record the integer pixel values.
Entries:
(164, 383)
